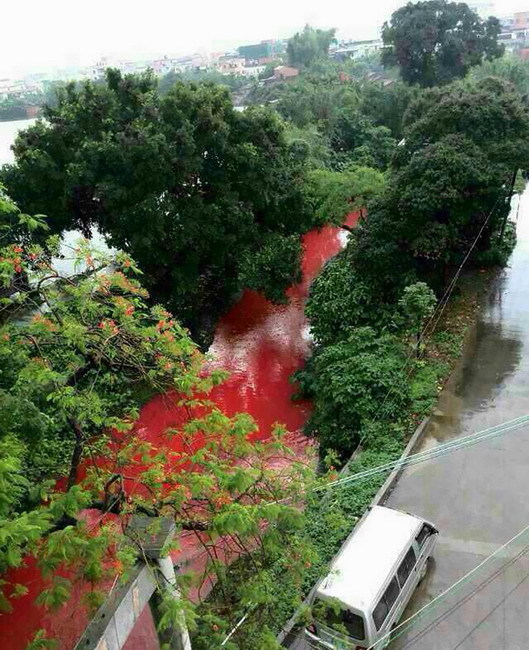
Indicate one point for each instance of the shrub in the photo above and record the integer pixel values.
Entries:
(349, 382)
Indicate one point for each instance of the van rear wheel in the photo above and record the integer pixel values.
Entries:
(392, 635)
(424, 569)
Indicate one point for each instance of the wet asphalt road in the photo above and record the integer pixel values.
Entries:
(478, 497)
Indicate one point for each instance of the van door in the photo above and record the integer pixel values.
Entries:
(424, 540)
(406, 576)
(384, 611)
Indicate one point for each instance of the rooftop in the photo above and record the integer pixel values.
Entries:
(359, 572)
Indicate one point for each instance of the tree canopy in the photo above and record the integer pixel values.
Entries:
(436, 41)
(347, 381)
(75, 468)
(309, 45)
(185, 184)
(450, 181)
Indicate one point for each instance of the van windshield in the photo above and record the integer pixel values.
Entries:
(344, 621)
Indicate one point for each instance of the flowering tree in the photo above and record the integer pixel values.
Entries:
(74, 467)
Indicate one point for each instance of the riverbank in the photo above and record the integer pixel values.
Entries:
(261, 344)
(477, 497)
(330, 521)
(17, 118)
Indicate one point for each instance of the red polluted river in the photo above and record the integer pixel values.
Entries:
(261, 344)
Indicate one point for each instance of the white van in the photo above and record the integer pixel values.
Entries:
(371, 581)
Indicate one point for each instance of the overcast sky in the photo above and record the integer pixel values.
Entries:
(37, 35)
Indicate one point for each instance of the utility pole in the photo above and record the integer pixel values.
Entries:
(109, 629)
(154, 535)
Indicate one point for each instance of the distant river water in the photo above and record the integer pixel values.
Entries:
(8, 133)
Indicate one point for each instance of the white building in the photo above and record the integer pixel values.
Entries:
(356, 49)
(515, 32)
(11, 88)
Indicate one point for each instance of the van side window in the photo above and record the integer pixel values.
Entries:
(425, 532)
(386, 603)
(380, 612)
(406, 567)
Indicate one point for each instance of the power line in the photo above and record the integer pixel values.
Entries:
(441, 305)
(509, 593)
(414, 459)
(470, 595)
(426, 608)
(440, 450)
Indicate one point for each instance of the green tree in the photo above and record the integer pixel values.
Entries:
(418, 305)
(333, 195)
(185, 184)
(272, 265)
(347, 382)
(448, 185)
(232, 81)
(323, 101)
(314, 143)
(387, 105)
(306, 47)
(355, 139)
(509, 68)
(436, 41)
(74, 373)
(450, 181)
(316, 98)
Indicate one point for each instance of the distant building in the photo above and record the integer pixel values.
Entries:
(263, 52)
(9, 88)
(32, 111)
(283, 72)
(97, 71)
(163, 66)
(253, 70)
(515, 32)
(521, 20)
(231, 65)
(379, 78)
(356, 49)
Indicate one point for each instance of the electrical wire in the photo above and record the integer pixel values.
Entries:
(469, 596)
(441, 450)
(444, 594)
(369, 473)
(237, 626)
(441, 305)
(430, 454)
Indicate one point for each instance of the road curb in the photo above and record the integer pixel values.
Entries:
(286, 634)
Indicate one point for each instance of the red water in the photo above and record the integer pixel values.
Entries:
(261, 345)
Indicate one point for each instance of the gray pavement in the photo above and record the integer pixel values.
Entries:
(477, 497)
